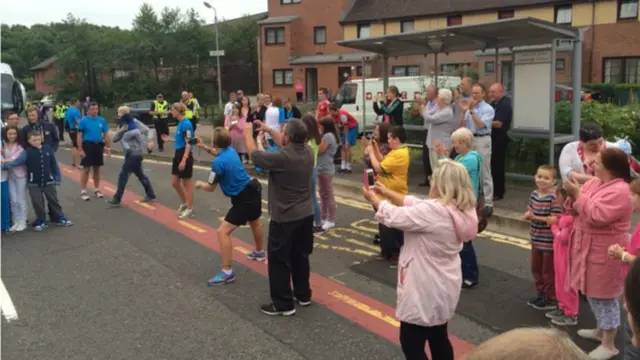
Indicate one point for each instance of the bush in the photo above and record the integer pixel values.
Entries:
(620, 94)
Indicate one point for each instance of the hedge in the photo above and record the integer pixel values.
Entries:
(620, 94)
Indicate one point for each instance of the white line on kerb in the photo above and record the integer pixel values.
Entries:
(8, 310)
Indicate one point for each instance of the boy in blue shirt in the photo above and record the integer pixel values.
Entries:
(71, 121)
(228, 172)
(93, 136)
(43, 175)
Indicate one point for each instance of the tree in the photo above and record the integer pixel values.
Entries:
(165, 51)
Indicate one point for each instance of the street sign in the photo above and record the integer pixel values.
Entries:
(214, 53)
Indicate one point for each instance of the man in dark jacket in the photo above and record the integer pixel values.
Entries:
(47, 130)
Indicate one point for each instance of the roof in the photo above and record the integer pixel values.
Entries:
(505, 33)
(45, 64)
(278, 20)
(376, 10)
(329, 58)
(256, 17)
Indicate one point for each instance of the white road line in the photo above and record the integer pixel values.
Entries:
(8, 310)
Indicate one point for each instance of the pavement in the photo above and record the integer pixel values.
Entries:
(129, 283)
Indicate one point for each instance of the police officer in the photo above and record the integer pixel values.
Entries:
(58, 116)
(160, 111)
(196, 109)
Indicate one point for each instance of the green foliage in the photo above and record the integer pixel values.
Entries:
(617, 93)
(166, 51)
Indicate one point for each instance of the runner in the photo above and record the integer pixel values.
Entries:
(71, 120)
(245, 193)
(182, 168)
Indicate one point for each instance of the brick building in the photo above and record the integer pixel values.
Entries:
(43, 75)
(611, 48)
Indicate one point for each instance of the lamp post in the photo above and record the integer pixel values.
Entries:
(218, 73)
(436, 44)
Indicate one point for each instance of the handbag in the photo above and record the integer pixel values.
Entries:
(482, 215)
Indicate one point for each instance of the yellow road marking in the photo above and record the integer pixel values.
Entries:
(333, 277)
(358, 225)
(145, 205)
(246, 251)
(345, 249)
(191, 226)
(506, 239)
(350, 231)
(365, 308)
(363, 244)
(321, 237)
(67, 170)
(110, 189)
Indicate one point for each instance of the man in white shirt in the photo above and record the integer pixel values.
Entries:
(228, 108)
(477, 116)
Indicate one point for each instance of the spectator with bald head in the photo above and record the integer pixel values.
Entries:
(499, 137)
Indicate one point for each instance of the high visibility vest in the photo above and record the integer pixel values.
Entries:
(161, 106)
(188, 113)
(196, 107)
(60, 110)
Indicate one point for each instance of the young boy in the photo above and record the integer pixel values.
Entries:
(43, 175)
(543, 204)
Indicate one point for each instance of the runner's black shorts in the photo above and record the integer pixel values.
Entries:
(93, 154)
(246, 206)
(187, 173)
(73, 134)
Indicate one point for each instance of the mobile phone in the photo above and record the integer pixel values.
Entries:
(369, 178)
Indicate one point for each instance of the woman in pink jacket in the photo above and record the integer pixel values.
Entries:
(603, 216)
(429, 276)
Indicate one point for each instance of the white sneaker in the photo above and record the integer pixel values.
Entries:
(328, 225)
(22, 226)
(602, 353)
(590, 334)
(187, 213)
(181, 209)
(84, 196)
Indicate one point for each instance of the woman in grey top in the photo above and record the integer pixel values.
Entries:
(440, 124)
(326, 170)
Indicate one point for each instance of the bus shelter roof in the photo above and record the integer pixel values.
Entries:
(504, 33)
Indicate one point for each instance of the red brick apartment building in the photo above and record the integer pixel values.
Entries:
(297, 39)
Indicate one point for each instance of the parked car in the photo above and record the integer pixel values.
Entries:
(141, 110)
(564, 92)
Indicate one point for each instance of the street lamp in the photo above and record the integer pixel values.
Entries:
(218, 73)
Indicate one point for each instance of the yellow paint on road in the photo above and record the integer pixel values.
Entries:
(246, 251)
(145, 205)
(366, 308)
(110, 189)
(362, 226)
(506, 239)
(191, 226)
(333, 277)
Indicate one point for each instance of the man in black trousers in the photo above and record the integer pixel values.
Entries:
(291, 226)
(499, 137)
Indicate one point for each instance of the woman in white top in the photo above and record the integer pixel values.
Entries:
(577, 157)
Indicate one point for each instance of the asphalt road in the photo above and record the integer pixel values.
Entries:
(129, 283)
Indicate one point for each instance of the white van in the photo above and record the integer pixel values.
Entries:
(357, 96)
(13, 96)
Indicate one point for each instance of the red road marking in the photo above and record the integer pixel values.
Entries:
(322, 286)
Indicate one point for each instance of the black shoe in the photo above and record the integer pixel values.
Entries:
(113, 202)
(376, 239)
(488, 211)
(302, 303)
(270, 309)
(317, 229)
(468, 284)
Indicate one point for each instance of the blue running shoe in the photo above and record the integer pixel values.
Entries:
(221, 278)
(63, 221)
(39, 225)
(257, 256)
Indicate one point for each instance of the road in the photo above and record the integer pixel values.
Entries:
(129, 283)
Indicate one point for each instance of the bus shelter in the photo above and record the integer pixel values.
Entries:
(532, 43)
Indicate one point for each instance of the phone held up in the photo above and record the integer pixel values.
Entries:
(369, 178)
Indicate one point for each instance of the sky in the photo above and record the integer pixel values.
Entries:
(115, 12)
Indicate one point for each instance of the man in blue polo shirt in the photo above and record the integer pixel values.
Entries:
(71, 120)
(93, 135)
(245, 193)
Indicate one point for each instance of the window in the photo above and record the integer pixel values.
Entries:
(453, 69)
(621, 70)
(283, 77)
(560, 64)
(454, 20)
(406, 26)
(627, 9)
(489, 67)
(320, 35)
(564, 15)
(287, 2)
(274, 36)
(409, 70)
(505, 14)
(363, 31)
(347, 93)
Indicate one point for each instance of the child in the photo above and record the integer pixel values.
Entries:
(326, 171)
(235, 125)
(5, 222)
(542, 204)
(43, 175)
(567, 312)
(628, 256)
(14, 156)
